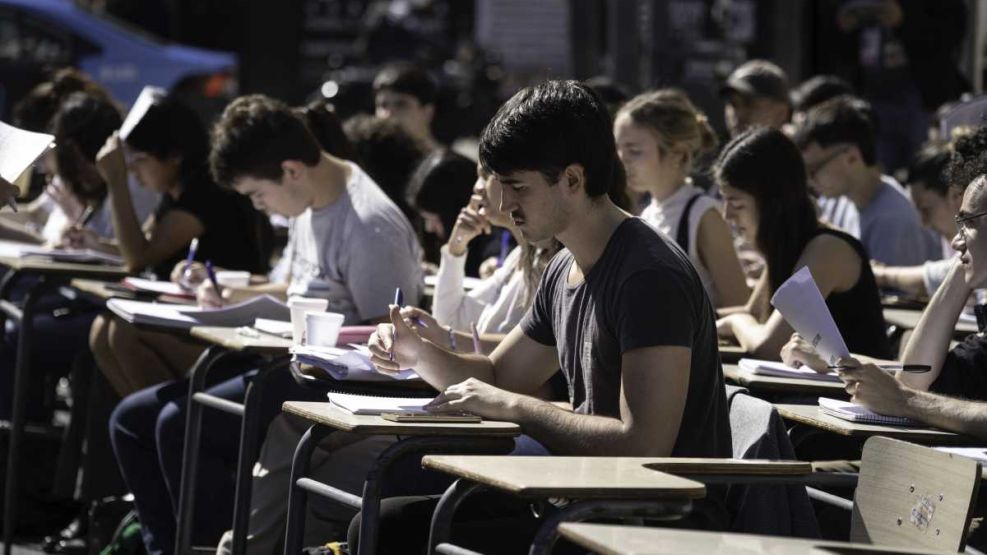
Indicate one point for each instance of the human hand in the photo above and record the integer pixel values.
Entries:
(188, 274)
(469, 224)
(110, 161)
(74, 237)
(488, 267)
(874, 388)
(8, 193)
(394, 346)
(207, 296)
(476, 397)
(425, 324)
(70, 204)
(798, 352)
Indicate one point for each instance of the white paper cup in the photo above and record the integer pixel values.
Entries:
(231, 278)
(299, 306)
(322, 328)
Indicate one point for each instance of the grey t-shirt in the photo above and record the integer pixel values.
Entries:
(891, 230)
(354, 252)
(642, 292)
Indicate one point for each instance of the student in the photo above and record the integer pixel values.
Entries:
(766, 199)
(937, 204)
(661, 137)
(439, 188)
(168, 152)
(813, 92)
(756, 93)
(618, 302)
(406, 94)
(837, 143)
(347, 243)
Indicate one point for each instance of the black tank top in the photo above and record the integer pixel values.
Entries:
(857, 311)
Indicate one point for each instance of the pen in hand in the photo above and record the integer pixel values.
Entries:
(910, 368)
(212, 279)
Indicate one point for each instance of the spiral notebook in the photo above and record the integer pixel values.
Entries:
(853, 412)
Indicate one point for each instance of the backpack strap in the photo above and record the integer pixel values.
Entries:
(682, 234)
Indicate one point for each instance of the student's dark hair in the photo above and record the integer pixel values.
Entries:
(816, 90)
(442, 184)
(254, 136)
(612, 93)
(928, 167)
(843, 119)
(388, 154)
(968, 160)
(169, 129)
(408, 79)
(546, 128)
(81, 126)
(35, 111)
(765, 164)
(321, 119)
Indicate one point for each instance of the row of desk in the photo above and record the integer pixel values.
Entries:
(661, 488)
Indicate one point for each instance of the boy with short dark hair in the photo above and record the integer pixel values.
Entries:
(407, 94)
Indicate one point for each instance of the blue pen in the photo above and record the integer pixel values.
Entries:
(192, 247)
(212, 278)
(505, 244)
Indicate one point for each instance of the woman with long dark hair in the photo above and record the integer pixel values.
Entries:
(764, 186)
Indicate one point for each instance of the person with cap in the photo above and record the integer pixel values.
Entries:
(756, 93)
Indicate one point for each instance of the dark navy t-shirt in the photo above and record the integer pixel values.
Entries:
(642, 292)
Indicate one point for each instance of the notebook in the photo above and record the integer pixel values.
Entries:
(757, 367)
(273, 327)
(19, 149)
(366, 405)
(858, 413)
(185, 316)
(346, 364)
(159, 287)
(82, 256)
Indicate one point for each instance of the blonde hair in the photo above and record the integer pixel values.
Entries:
(679, 126)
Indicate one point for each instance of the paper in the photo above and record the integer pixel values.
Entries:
(19, 149)
(273, 327)
(803, 307)
(975, 453)
(781, 370)
(364, 404)
(83, 256)
(184, 316)
(148, 96)
(858, 413)
(351, 364)
(469, 283)
(159, 287)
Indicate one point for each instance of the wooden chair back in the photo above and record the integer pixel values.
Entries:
(913, 496)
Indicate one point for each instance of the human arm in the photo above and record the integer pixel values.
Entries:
(798, 352)
(715, 247)
(929, 342)
(910, 279)
(451, 305)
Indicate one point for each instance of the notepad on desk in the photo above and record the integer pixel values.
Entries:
(352, 364)
(853, 412)
(367, 405)
(79, 256)
(184, 316)
(757, 367)
(159, 287)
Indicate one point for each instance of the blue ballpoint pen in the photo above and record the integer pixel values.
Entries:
(212, 278)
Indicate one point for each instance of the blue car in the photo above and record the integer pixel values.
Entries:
(39, 35)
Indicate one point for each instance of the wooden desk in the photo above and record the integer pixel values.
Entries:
(775, 384)
(235, 340)
(811, 415)
(731, 354)
(609, 539)
(39, 265)
(414, 439)
(908, 320)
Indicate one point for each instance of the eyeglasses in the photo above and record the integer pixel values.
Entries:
(812, 170)
(963, 224)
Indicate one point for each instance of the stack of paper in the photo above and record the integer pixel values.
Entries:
(83, 256)
(365, 404)
(184, 316)
(346, 364)
(803, 307)
(975, 453)
(859, 413)
(19, 149)
(273, 327)
(769, 368)
(159, 287)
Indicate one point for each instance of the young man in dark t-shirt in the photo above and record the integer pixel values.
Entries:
(620, 308)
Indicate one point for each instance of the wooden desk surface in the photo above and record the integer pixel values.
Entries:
(41, 266)
(908, 320)
(96, 289)
(784, 385)
(810, 415)
(611, 539)
(232, 339)
(327, 414)
(580, 477)
(731, 354)
(734, 467)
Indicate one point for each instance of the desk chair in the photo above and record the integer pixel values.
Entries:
(910, 496)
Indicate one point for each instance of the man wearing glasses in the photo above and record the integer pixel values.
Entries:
(838, 146)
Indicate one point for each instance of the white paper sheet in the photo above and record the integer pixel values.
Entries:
(19, 149)
(184, 316)
(159, 287)
(364, 404)
(351, 364)
(781, 370)
(803, 307)
(975, 453)
(148, 96)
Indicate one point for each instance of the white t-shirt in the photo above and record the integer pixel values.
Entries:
(354, 252)
(665, 216)
(496, 305)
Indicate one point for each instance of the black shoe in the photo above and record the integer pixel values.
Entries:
(75, 531)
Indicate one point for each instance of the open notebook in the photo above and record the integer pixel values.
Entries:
(757, 367)
(346, 364)
(13, 249)
(364, 404)
(159, 287)
(858, 413)
(185, 316)
(19, 149)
